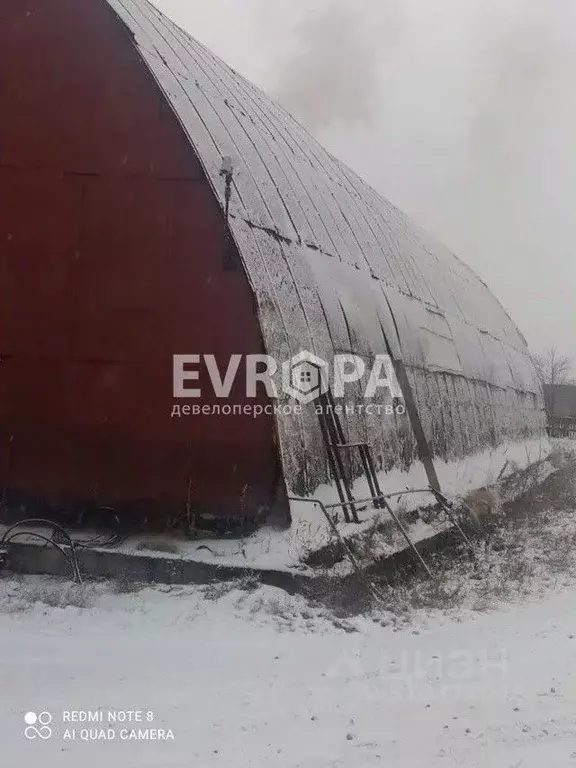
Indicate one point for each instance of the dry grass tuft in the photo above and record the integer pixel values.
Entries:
(525, 543)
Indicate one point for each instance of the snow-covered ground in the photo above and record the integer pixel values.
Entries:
(258, 678)
(477, 668)
(274, 549)
(270, 548)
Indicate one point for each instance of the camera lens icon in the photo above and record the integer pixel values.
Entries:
(37, 725)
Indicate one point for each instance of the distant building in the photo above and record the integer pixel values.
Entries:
(560, 400)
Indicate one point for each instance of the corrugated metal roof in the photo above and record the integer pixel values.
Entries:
(334, 266)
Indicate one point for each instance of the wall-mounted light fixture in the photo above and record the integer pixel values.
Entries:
(227, 171)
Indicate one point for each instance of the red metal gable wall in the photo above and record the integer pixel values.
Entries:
(112, 259)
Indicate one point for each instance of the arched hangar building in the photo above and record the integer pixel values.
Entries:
(119, 249)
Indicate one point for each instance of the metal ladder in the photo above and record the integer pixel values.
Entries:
(335, 443)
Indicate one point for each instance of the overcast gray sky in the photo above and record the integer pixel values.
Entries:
(462, 112)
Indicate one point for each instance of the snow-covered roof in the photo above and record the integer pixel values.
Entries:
(334, 266)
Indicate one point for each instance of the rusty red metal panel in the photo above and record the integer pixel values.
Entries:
(35, 301)
(103, 115)
(112, 250)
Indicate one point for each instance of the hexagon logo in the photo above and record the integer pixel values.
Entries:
(305, 377)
